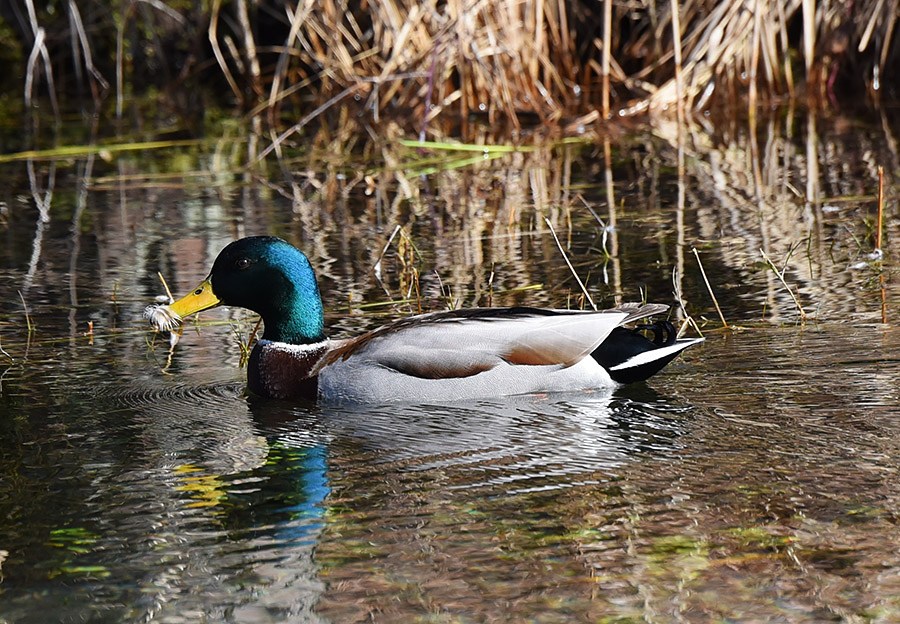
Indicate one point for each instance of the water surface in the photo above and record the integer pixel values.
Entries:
(753, 480)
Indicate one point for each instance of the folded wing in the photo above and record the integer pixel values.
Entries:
(467, 342)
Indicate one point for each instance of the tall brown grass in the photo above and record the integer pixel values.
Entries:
(432, 65)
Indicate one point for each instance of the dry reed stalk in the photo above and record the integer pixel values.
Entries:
(249, 46)
(676, 42)
(878, 244)
(40, 48)
(376, 268)
(30, 67)
(166, 287)
(245, 349)
(446, 294)
(296, 20)
(785, 45)
(709, 288)
(96, 78)
(611, 230)
(28, 323)
(780, 275)
(607, 54)
(886, 36)
(688, 319)
(502, 58)
(491, 287)
(877, 13)
(569, 264)
(809, 35)
(880, 207)
(277, 141)
(212, 34)
(120, 63)
(754, 63)
(418, 292)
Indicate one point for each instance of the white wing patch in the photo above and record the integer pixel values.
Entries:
(655, 354)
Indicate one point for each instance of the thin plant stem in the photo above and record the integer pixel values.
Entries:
(880, 207)
(217, 51)
(245, 349)
(709, 288)
(571, 268)
(809, 35)
(688, 319)
(781, 278)
(166, 286)
(376, 268)
(878, 243)
(276, 144)
(491, 287)
(249, 46)
(447, 294)
(27, 317)
(418, 294)
(676, 46)
(607, 52)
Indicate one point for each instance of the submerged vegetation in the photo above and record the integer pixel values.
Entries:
(430, 66)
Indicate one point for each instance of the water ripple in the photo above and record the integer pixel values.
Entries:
(511, 446)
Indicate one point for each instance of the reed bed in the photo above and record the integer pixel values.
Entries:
(430, 66)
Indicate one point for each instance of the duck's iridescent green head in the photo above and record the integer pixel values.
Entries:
(269, 276)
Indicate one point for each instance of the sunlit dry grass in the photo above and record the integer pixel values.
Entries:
(430, 66)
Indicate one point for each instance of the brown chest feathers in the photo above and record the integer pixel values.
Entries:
(281, 371)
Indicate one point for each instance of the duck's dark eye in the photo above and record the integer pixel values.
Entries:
(241, 263)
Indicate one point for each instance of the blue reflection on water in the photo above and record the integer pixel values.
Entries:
(312, 481)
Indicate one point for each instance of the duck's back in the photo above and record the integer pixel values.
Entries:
(468, 354)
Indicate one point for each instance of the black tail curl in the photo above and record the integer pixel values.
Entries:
(622, 344)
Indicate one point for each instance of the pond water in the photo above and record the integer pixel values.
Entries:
(755, 479)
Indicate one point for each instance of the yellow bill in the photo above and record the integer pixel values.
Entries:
(168, 317)
(201, 298)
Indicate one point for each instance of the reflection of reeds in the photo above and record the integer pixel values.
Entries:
(480, 226)
(2, 352)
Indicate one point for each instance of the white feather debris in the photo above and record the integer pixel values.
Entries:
(162, 317)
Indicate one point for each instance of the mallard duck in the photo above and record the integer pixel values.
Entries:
(441, 356)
